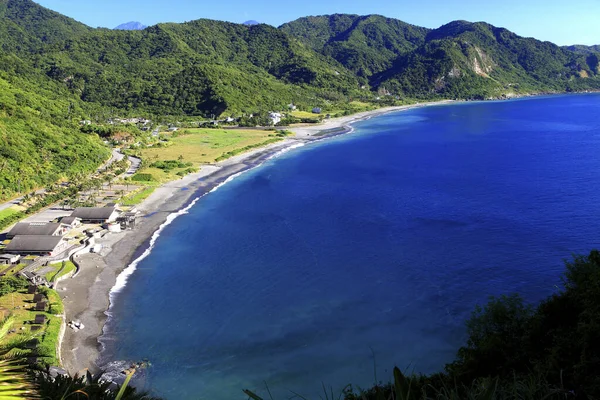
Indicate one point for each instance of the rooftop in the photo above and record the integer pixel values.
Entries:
(69, 220)
(33, 243)
(40, 229)
(93, 212)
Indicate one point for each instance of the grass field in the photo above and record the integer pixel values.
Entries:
(7, 212)
(201, 146)
(198, 146)
(305, 114)
(138, 197)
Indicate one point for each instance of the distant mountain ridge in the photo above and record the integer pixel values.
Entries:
(131, 26)
(579, 48)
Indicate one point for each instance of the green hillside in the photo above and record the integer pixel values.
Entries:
(581, 49)
(199, 68)
(27, 26)
(477, 60)
(40, 142)
(364, 44)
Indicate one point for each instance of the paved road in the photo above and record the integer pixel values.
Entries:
(135, 165)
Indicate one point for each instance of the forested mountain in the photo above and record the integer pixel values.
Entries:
(458, 60)
(581, 49)
(55, 71)
(463, 59)
(26, 26)
(364, 44)
(198, 68)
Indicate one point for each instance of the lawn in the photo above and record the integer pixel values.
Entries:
(202, 146)
(138, 197)
(59, 271)
(306, 114)
(7, 212)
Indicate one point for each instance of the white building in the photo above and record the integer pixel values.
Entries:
(275, 117)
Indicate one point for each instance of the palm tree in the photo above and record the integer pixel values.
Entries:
(15, 383)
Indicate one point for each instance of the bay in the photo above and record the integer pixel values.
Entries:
(337, 261)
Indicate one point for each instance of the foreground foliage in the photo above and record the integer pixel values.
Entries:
(15, 383)
(86, 387)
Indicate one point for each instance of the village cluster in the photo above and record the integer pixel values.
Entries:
(36, 244)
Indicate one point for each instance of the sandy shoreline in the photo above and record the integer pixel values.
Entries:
(86, 297)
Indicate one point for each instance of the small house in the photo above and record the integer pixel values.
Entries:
(38, 229)
(316, 110)
(96, 215)
(31, 289)
(37, 245)
(9, 259)
(40, 319)
(41, 306)
(71, 222)
(275, 118)
(38, 297)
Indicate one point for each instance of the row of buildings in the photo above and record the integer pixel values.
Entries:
(48, 239)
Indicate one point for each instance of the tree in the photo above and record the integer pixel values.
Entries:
(498, 339)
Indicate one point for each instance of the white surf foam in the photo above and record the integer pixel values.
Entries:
(123, 277)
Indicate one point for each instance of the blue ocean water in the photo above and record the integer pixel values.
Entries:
(364, 251)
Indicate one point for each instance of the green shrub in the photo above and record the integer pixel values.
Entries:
(12, 284)
(47, 347)
(143, 177)
(170, 164)
(56, 305)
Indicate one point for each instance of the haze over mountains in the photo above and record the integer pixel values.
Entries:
(55, 71)
(131, 26)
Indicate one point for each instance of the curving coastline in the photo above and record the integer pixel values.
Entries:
(88, 297)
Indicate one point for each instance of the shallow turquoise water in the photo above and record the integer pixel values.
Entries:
(367, 249)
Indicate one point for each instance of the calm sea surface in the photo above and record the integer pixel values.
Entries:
(369, 249)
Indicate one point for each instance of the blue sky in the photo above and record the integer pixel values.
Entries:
(559, 21)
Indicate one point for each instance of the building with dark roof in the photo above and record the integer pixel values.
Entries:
(37, 229)
(72, 222)
(37, 245)
(96, 215)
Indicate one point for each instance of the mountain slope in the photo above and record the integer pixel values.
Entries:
(40, 140)
(581, 49)
(27, 26)
(200, 68)
(363, 44)
(477, 60)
